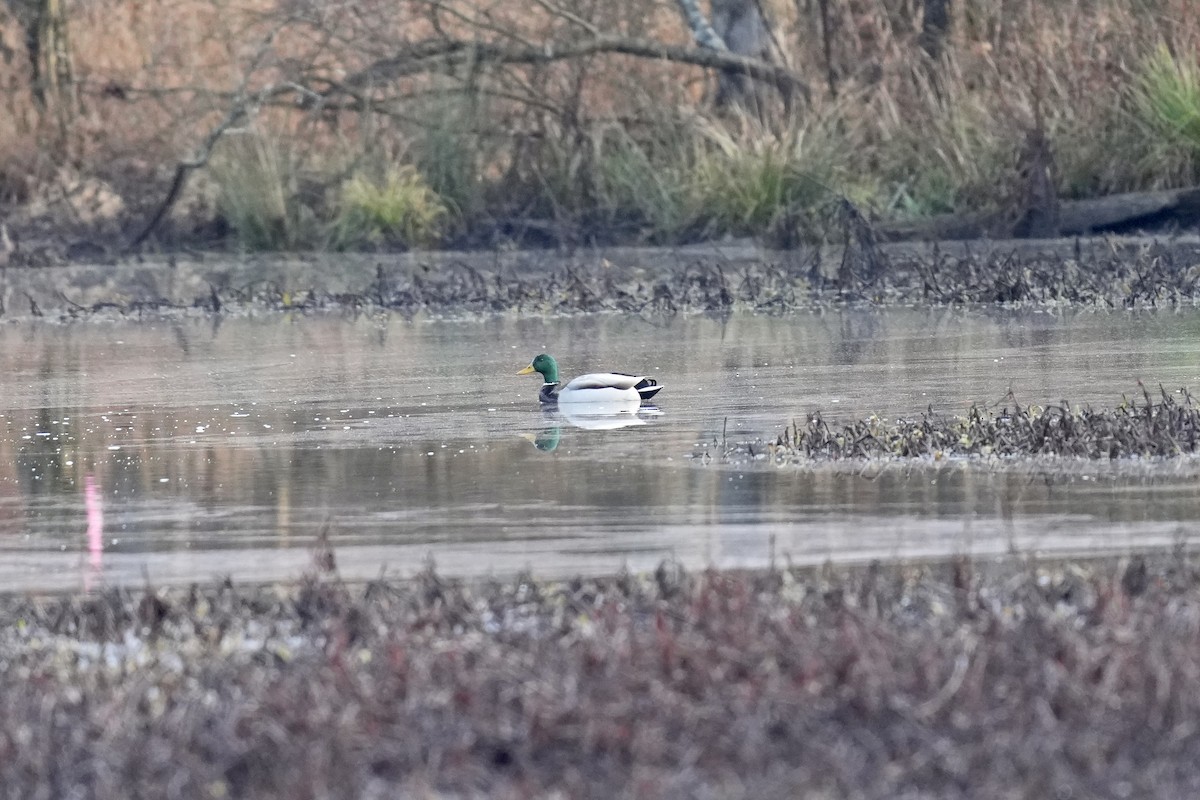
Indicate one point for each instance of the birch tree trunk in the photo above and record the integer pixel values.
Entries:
(53, 84)
(702, 31)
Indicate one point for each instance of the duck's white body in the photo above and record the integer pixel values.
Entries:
(603, 387)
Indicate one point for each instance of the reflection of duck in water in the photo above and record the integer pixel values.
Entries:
(603, 416)
(546, 439)
(611, 389)
(591, 417)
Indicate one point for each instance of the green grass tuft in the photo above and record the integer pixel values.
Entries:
(1167, 97)
(756, 180)
(399, 208)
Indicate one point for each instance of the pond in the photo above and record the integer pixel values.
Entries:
(189, 449)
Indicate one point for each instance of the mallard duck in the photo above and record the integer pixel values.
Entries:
(595, 387)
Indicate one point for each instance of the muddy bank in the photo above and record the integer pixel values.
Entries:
(963, 680)
(1111, 273)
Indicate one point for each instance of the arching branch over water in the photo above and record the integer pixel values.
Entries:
(435, 55)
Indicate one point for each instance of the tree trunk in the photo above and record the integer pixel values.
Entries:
(1118, 212)
(702, 31)
(934, 27)
(1035, 196)
(741, 25)
(53, 85)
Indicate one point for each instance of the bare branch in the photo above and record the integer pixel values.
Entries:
(569, 16)
(429, 55)
(475, 23)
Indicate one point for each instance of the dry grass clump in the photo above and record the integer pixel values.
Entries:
(965, 680)
(258, 193)
(1151, 429)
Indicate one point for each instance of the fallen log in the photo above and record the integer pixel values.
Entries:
(1180, 206)
(1118, 212)
(942, 228)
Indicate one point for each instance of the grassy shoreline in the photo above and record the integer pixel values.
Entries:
(609, 148)
(983, 679)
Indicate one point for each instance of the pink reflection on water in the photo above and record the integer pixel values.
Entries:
(94, 507)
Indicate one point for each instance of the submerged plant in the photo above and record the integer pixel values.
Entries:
(399, 207)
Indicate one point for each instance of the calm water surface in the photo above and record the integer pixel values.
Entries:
(224, 447)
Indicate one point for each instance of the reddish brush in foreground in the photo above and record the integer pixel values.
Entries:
(956, 681)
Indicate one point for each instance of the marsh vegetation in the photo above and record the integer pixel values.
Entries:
(423, 123)
(1147, 427)
(964, 680)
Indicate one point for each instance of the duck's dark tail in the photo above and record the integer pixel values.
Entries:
(647, 388)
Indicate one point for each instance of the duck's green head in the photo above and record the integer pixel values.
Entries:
(546, 365)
